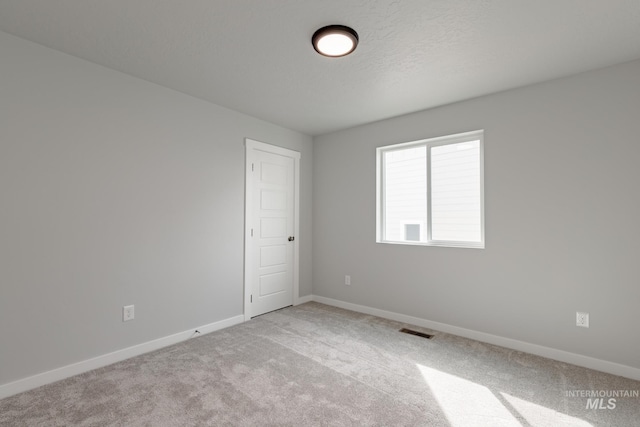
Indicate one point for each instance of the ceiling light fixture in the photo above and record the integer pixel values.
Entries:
(335, 40)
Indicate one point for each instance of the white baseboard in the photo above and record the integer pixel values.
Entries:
(304, 299)
(550, 353)
(48, 377)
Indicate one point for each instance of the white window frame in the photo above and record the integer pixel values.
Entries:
(477, 135)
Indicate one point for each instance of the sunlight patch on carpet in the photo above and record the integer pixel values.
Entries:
(466, 403)
(539, 415)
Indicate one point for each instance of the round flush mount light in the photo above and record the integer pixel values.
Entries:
(335, 40)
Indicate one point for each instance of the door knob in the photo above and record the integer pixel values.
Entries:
(291, 238)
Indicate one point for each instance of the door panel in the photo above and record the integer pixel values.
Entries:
(272, 227)
(271, 284)
(273, 173)
(273, 200)
(273, 255)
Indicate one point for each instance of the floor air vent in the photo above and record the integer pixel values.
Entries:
(416, 333)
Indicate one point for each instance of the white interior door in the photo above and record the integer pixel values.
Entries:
(271, 252)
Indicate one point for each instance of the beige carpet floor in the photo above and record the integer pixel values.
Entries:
(315, 365)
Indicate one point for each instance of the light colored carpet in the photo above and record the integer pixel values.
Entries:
(317, 365)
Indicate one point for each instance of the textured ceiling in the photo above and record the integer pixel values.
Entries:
(255, 56)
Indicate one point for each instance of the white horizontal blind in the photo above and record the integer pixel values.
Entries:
(405, 184)
(456, 192)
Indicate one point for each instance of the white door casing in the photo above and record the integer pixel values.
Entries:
(271, 228)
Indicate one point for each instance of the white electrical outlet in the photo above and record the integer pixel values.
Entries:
(582, 319)
(347, 280)
(128, 313)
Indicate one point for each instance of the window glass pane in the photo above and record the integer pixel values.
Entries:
(455, 192)
(405, 193)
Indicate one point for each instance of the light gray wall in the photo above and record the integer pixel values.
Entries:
(562, 218)
(116, 191)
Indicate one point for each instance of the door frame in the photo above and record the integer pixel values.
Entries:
(250, 147)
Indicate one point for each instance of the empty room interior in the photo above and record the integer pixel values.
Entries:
(208, 219)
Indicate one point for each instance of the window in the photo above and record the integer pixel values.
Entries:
(430, 192)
